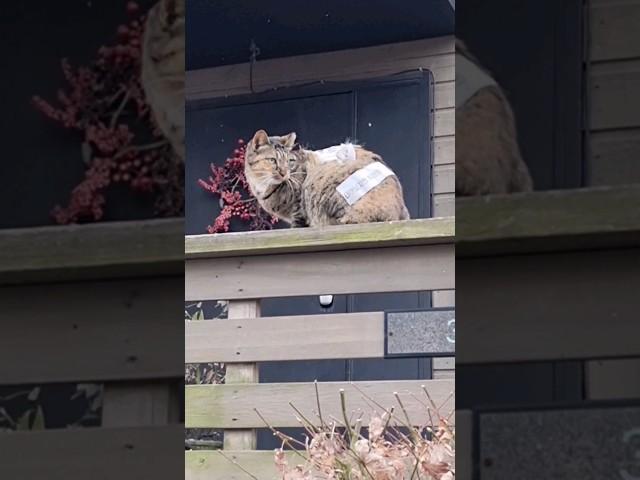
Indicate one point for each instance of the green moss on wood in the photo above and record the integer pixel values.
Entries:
(410, 232)
(544, 221)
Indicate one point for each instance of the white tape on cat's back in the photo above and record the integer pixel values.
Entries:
(360, 182)
(345, 152)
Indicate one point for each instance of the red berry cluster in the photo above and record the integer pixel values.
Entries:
(105, 102)
(229, 184)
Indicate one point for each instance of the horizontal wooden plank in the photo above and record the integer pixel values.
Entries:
(433, 54)
(100, 250)
(548, 221)
(342, 237)
(211, 465)
(555, 306)
(444, 179)
(92, 331)
(444, 122)
(615, 157)
(444, 205)
(613, 24)
(444, 95)
(613, 379)
(97, 453)
(444, 150)
(232, 406)
(302, 337)
(614, 102)
(391, 269)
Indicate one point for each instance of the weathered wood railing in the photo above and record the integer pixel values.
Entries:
(95, 304)
(245, 267)
(550, 276)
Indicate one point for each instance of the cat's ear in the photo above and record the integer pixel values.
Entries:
(260, 138)
(289, 140)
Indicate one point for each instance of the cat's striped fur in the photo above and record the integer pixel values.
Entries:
(298, 187)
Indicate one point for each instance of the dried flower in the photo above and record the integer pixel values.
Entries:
(228, 183)
(387, 453)
(121, 143)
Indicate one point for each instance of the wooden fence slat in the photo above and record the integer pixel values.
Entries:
(95, 251)
(350, 271)
(96, 453)
(560, 313)
(232, 406)
(122, 330)
(562, 220)
(433, 54)
(424, 231)
(241, 373)
(301, 337)
(211, 465)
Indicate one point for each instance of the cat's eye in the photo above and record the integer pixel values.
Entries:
(272, 160)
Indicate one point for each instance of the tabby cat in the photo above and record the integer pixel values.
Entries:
(300, 186)
(162, 72)
(488, 158)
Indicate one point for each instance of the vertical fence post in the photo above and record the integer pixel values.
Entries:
(241, 373)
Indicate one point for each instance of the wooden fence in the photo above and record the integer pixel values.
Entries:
(95, 304)
(550, 276)
(245, 267)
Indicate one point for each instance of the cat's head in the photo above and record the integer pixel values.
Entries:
(269, 160)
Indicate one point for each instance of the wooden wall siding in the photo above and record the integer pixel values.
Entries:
(613, 101)
(436, 55)
(614, 143)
